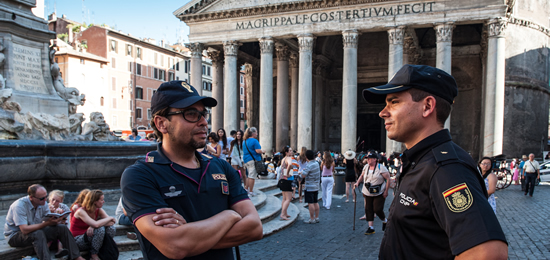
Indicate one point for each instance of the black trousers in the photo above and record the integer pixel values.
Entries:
(374, 205)
(530, 180)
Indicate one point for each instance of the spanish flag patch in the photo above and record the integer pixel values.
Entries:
(458, 198)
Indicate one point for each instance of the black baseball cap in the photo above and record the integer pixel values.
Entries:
(426, 78)
(178, 94)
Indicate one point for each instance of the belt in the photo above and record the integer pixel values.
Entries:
(531, 172)
(327, 175)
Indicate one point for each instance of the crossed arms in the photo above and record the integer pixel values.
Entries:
(176, 239)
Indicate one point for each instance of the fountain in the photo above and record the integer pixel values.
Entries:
(41, 135)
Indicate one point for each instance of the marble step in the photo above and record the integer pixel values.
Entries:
(271, 209)
(276, 224)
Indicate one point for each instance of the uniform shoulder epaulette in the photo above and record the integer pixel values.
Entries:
(207, 156)
(444, 152)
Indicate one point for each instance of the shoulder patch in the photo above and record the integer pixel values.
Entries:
(207, 156)
(219, 176)
(444, 152)
(458, 198)
(150, 159)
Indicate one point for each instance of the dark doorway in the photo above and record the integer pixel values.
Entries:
(370, 127)
(369, 132)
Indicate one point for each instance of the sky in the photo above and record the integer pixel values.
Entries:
(140, 18)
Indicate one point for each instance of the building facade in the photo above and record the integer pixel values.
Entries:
(307, 62)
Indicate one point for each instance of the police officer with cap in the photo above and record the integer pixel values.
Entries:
(185, 204)
(440, 208)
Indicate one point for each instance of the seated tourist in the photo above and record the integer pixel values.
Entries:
(26, 225)
(90, 223)
(123, 219)
(56, 205)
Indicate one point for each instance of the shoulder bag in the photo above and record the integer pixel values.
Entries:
(258, 165)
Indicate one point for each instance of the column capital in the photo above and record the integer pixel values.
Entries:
(216, 56)
(444, 31)
(195, 48)
(283, 52)
(266, 44)
(231, 48)
(496, 27)
(396, 35)
(306, 42)
(350, 38)
(294, 60)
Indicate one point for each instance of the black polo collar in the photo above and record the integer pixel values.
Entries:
(411, 156)
(158, 156)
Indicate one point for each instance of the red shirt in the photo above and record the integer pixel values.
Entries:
(79, 227)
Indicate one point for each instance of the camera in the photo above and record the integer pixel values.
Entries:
(367, 185)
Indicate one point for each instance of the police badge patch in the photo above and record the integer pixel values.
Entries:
(458, 198)
(225, 188)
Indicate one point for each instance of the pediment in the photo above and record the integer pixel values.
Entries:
(210, 6)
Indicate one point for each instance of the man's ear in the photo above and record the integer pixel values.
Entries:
(161, 124)
(429, 106)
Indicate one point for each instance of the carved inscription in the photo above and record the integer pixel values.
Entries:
(27, 68)
(364, 13)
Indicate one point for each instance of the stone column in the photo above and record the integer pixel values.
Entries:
(395, 38)
(294, 100)
(230, 90)
(349, 90)
(493, 114)
(217, 88)
(282, 120)
(266, 95)
(306, 42)
(196, 65)
(318, 114)
(444, 34)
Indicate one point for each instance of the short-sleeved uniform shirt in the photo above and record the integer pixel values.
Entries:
(156, 182)
(22, 212)
(440, 207)
(249, 149)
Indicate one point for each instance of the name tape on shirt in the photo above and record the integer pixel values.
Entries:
(458, 198)
(219, 176)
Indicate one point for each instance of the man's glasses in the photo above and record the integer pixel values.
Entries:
(41, 199)
(192, 115)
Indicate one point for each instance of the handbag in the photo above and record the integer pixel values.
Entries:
(258, 165)
(373, 189)
(109, 249)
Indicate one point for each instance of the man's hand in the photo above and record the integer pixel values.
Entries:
(168, 217)
(52, 221)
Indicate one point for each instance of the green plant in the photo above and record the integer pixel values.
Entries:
(63, 36)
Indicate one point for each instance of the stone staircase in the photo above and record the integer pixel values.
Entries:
(267, 203)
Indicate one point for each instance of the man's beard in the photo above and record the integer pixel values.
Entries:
(192, 143)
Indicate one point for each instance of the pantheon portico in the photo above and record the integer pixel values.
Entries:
(306, 63)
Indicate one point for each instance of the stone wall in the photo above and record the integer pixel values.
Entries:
(527, 91)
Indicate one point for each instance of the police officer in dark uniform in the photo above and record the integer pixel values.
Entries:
(213, 211)
(440, 208)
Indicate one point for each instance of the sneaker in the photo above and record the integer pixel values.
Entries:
(369, 231)
(317, 220)
(62, 253)
(384, 226)
(309, 221)
(131, 235)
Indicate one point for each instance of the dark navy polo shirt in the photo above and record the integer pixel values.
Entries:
(156, 182)
(440, 208)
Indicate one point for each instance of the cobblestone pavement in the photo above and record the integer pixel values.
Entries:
(523, 219)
